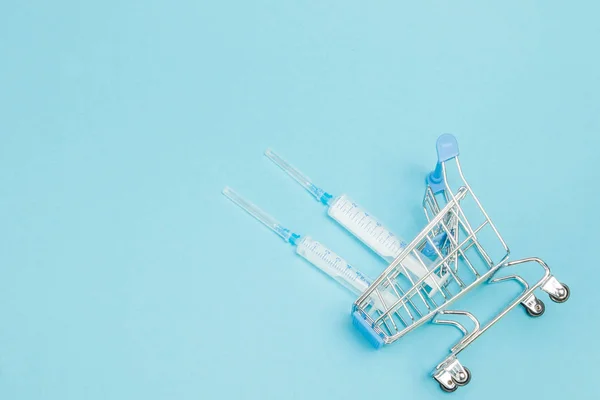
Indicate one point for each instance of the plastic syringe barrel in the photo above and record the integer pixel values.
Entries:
(332, 264)
(337, 268)
(358, 222)
(313, 251)
(380, 239)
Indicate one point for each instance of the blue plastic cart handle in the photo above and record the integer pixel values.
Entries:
(447, 149)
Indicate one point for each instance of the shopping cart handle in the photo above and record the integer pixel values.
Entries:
(447, 149)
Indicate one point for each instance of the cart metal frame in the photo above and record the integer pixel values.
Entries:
(466, 247)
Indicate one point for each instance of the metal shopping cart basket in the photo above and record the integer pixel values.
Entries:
(461, 245)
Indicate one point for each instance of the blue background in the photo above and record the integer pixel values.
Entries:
(124, 273)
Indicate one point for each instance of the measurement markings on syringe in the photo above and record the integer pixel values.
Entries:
(334, 261)
(351, 214)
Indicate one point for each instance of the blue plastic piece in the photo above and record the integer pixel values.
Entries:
(294, 239)
(447, 147)
(438, 242)
(366, 329)
(325, 198)
(319, 193)
(435, 179)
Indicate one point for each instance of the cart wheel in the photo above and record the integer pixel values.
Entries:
(542, 308)
(448, 390)
(467, 378)
(564, 298)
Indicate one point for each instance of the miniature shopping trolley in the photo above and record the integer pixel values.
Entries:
(462, 248)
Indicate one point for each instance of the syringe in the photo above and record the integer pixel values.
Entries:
(364, 226)
(314, 252)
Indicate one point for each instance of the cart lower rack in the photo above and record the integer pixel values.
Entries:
(467, 250)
